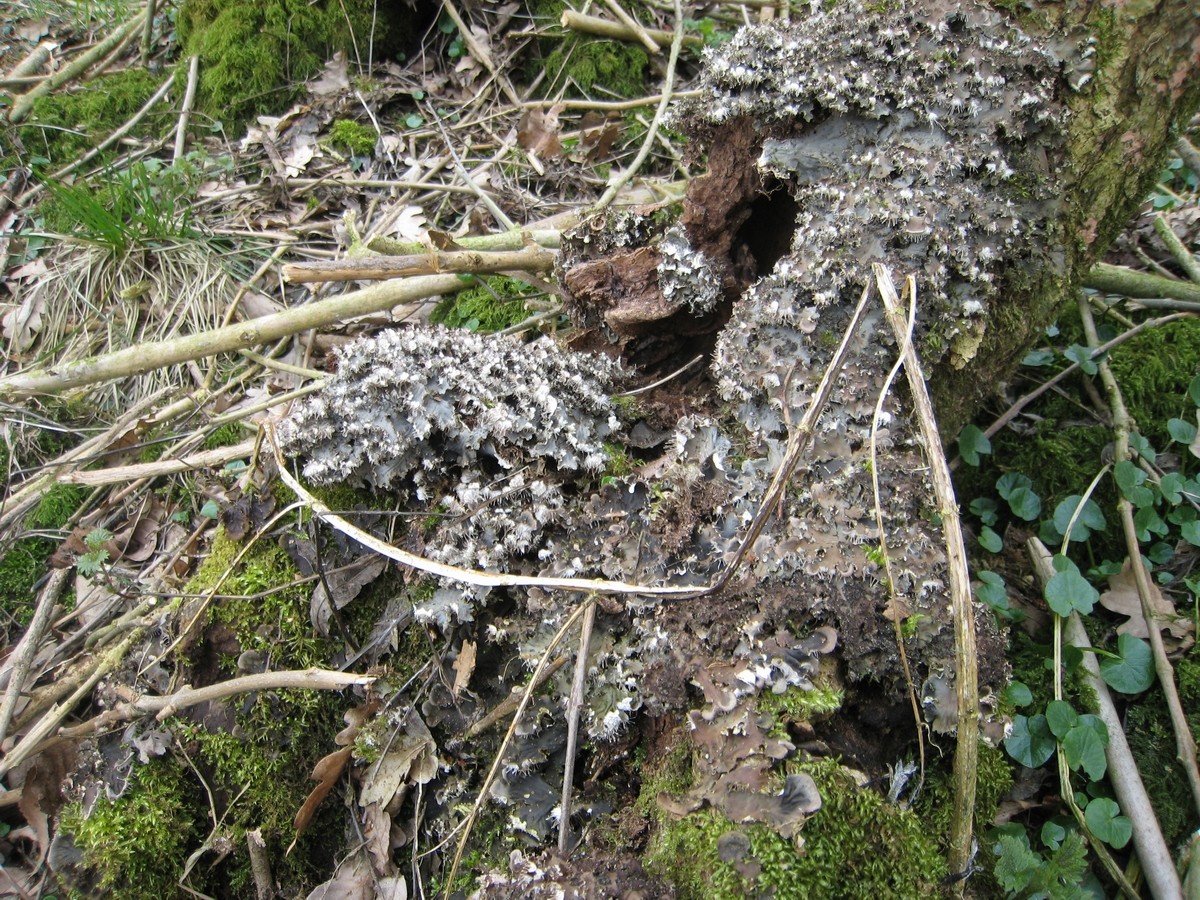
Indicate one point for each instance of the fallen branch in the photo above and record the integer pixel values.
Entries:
(376, 268)
(516, 239)
(147, 357)
(23, 104)
(619, 32)
(201, 460)
(1130, 283)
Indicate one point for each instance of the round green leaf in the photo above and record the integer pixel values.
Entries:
(1181, 431)
(1083, 356)
(1191, 532)
(989, 540)
(1069, 591)
(1171, 486)
(1132, 670)
(1105, 821)
(986, 509)
(1084, 749)
(991, 590)
(973, 443)
(1031, 742)
(1038, 358)
(1018, 694)
(1194, 390)
(1090, 518)
(1061, 718)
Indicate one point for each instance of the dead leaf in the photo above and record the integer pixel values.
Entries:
(41, 789)
(538, 132)
(333, 80)
(326, 772)
(410, 224)
(21, 326)
(353, 880)
(412, 757)
(345, 584)
(464, 665)
(1122, 598)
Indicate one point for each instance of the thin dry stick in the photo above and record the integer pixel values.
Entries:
(1122, 769)
(574, 702)
(125, 128)
(119, 474)
(633, 25)
(617, 31)
(966, 680)
(146, 357)
(297, 679)
(1013, 411)
(1186, 259)
(621, 180)
(517, 239)
(185, 112)
(509, 704)
(375, 268)
(497, 213)
(610, 105)
(23, 104)
(32, 740)
(148, 30)
(918, 721)
(260, 865)
(1185, 744)
(481, 53)
(28, 647)
(469, 823)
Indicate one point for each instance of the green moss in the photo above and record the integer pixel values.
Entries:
(21, 566)
(57, 506)
(993, 781)
(798, 705)
(353, 137)
(857, 845)
(252, 55)
(65, 125)
(137, 844)
(226, 436)
(583, 65)
(497, 303)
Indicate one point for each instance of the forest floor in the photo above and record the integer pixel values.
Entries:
(151, 544)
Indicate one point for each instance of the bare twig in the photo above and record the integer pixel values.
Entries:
(1122, 769)
(915, 704)
(621, 180)
(574, 703)
(966, 680)
(636, 27)
(376, 268)
(618, 31)
(31, 63)
(260, 865)
(516, 239)
(509, 704)
(1185, 743)
(28, 647)
(118, 474)
(1131, 283)
(1182, 255)
(1044, 570)
(24, 103)
(146, 357)
(185, 111)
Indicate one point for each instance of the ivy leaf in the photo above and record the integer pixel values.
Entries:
(1090, 518)
(991, 590)
(211, 509)
(1061, 717)
(1018, 694)
(1171, 485)
(1068, 590)
(1105, 821)
(1031, 742)
(989, 540)
(1139, 445)
(973, 443)
(1132, 670)
(1194, 390)
(986, 509)
(1084, 747)
(1147, 522)
(1017, 489)
(1052, 834)
(1181, 431)
(1038, 358)
(1083, 356)
(1130, 479)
